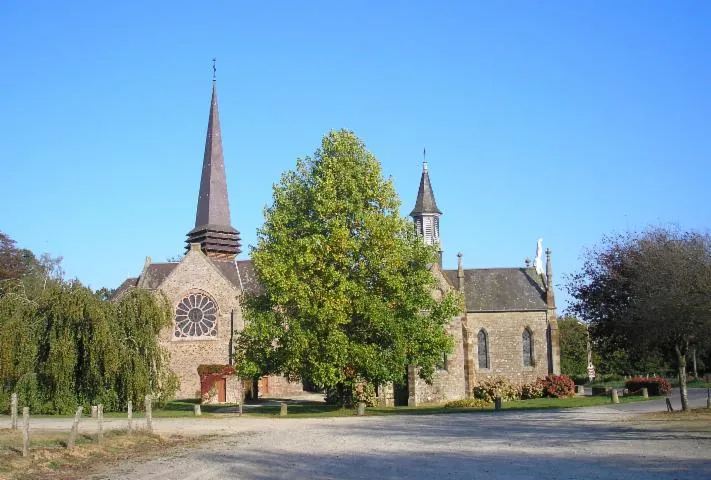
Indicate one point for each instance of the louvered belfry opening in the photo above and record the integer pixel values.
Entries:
(213, 229)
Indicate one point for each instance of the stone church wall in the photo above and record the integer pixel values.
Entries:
(505, 344)
(448, 383)
(278, 386)
(196, 274)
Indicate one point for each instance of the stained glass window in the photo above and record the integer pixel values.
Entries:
(196, 316)
(527, 341)
(483, 341)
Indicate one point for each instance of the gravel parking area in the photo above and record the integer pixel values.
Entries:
(594, 443)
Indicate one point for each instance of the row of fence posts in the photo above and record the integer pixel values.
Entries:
(97, 411)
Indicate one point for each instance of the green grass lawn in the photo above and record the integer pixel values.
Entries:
(698, 383)
(313, 410)
(185, 408)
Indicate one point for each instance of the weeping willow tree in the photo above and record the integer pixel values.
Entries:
(68, 347)
(139, 317)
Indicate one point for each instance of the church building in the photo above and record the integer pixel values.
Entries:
(508, 327)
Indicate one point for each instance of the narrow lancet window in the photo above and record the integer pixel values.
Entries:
(527, 342)
(483, 344)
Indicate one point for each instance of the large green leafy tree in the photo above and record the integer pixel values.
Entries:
(347, 286)
(573, 346)
(649, 292)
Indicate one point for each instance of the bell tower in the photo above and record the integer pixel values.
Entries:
(426, 214)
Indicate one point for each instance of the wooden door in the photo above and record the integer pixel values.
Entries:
(221, 386)
(263, 386)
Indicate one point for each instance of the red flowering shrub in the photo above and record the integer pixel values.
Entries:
(558, 386)
(654, 385)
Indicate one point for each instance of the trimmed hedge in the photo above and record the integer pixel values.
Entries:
(655, 385)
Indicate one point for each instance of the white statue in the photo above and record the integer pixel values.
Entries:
(538, 262)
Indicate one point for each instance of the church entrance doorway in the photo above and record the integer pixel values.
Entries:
(401, 392)
(221, 387)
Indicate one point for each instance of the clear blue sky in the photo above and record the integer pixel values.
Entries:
(561, 120)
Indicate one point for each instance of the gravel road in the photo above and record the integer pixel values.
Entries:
(593, 442)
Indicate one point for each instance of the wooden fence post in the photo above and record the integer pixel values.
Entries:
(25, 431)
(130, 417)
(13, 410)
(149, 413)
(100, 417)
(75, 429)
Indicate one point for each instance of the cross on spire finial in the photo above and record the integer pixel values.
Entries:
(424, 159)
(214, 69)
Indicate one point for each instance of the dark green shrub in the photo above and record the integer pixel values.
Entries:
(347, 394)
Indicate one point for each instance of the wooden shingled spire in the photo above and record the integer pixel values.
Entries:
(213, 231)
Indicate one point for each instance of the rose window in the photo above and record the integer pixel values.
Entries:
(196, 316)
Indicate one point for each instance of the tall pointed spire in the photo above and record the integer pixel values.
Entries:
(212, 229)
(426, 214)
(425, 197)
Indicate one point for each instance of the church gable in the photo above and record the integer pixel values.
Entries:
(197, 272)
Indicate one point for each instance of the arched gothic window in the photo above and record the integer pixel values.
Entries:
(527, 344)
(483, 344)
(196, 316)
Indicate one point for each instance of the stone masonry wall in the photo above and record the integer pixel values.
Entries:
(195, 273)
(505, 344)
(279, 386)
(447, 384)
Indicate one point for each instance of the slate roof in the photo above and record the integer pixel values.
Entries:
(127, 284)
(501, 289)
(425, 196)
(247, 273)
(485, 289)
(156, 273)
